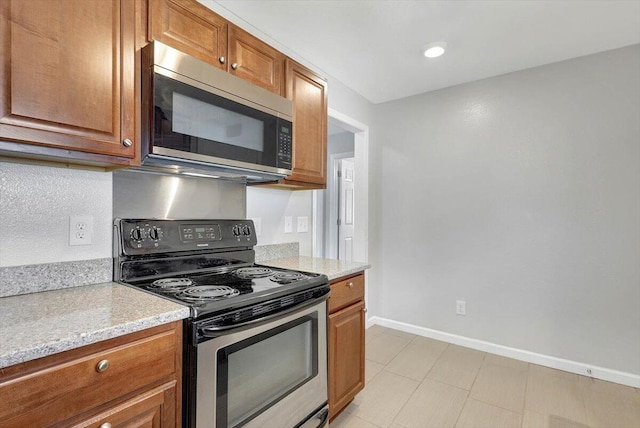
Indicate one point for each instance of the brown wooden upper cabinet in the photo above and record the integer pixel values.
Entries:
(67, 80)
(196, 30)
(190, 27)
(309, 94)
(255, 61)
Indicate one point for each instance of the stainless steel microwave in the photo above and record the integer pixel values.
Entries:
(199, 119)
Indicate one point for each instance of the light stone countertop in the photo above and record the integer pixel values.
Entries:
(332, 268)
(41, 324)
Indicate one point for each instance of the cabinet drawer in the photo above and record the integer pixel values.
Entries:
(145, 410)
(63, 390)
(346, 292)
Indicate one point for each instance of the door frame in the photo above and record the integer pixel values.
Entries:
(361, 189)
(333, 196)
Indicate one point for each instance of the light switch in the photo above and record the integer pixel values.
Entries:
(303, 224)
(288, 224)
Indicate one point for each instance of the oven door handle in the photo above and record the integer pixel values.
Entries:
(215, 331)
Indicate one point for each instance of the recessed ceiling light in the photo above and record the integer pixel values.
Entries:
(433, 50)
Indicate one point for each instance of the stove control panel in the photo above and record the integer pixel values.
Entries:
(139, 237)
(200, 232)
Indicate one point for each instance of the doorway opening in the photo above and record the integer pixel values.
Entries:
(341, 211)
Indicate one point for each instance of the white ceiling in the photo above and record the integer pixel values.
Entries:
(374, 46)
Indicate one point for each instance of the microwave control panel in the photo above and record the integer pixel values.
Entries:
(285, 143)
(157, 236)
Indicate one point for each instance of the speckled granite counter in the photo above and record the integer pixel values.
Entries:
(332, 268)
(40, 324)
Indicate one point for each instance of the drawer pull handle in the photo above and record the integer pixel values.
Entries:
(102, 367)
(351, 285)
(105, 425)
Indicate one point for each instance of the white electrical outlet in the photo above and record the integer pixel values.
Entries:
(257, 224)
(80, 230)
(288, 224)
(461, 307)
(303, 224)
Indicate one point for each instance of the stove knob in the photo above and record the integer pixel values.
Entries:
(236, 230)
(246, 230)
(136, 235)
(154, 234)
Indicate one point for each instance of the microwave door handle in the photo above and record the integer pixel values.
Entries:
(217, 331)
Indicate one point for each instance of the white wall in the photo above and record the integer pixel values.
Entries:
(519, 194)
(271, 206)
(339, 143)
(35, 205)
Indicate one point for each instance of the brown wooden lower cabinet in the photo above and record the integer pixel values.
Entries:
(151, 409)
(346, 342)
(129, 381)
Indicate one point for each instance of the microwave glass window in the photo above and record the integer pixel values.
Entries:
(210, 122)
(263, 372)
(194, 121)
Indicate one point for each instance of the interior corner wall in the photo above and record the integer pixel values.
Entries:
(271, 206)
(519, 194)
(347, 102)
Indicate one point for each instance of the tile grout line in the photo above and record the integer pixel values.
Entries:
(582, 399)
(496, 405)
(384, 366)
(466, 400)
(414, 391)
(526, 389)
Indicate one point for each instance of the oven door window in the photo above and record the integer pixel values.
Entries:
(192, 120)
(258, 372)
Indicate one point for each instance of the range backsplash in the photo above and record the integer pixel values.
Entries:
(143, 194)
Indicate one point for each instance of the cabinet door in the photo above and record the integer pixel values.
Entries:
(255, 61)
(309, 95)
(152, 409)
(346, 356)
(67, 76)
(190, 27)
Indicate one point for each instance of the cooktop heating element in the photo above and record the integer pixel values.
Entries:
(287, 277)
(253, 272)
(204, 293)
(169, 285)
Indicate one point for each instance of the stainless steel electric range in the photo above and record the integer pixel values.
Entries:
(255, 351)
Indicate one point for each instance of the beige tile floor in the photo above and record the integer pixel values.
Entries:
(415, 382)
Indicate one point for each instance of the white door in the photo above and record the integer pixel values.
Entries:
(346, 209)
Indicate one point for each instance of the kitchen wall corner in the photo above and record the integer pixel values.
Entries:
(271, 206)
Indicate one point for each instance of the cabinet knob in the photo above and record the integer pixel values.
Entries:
(105, 425)
(234, 65)
(351, 285)
(102, 366)
(365, 310)
(222, 60)
(127, 142)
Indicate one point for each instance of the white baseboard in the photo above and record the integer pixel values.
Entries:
(602, 373)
